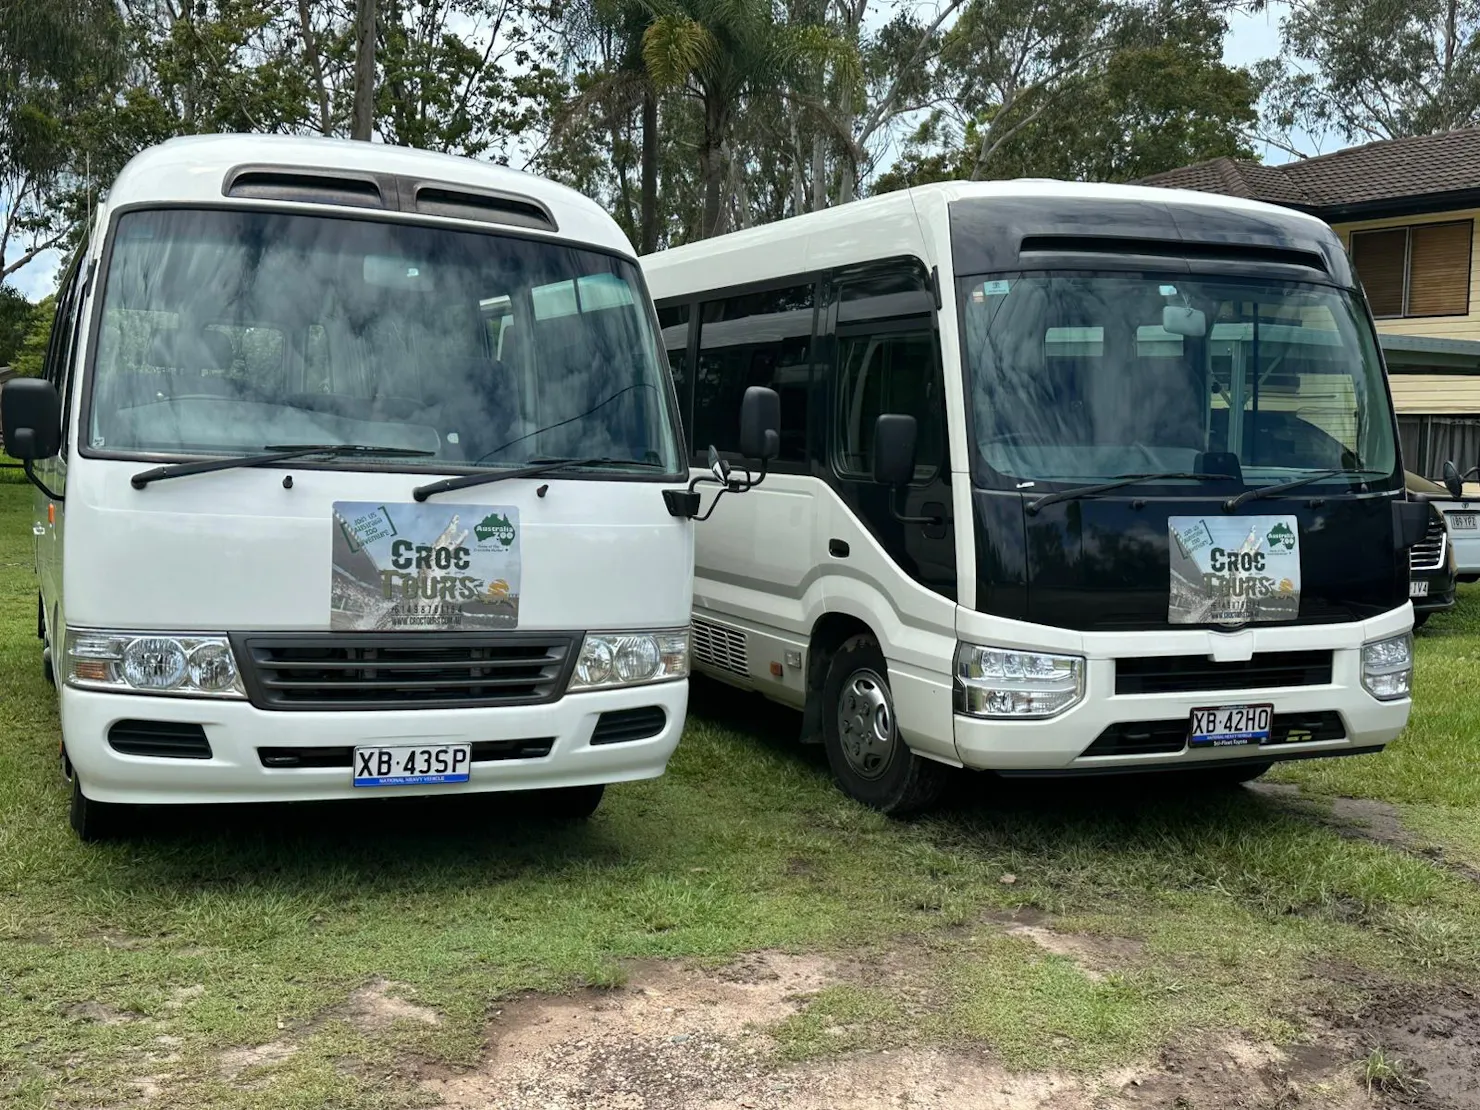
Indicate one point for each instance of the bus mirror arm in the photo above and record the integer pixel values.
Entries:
(31, 420)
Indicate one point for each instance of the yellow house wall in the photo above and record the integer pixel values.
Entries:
(1434, 327)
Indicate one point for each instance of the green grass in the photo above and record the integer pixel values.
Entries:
(1226, 909)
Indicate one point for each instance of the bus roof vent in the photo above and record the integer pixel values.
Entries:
(1172, 248)
(306, 186)
(462, 203)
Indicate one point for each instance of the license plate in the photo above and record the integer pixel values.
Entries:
(1463, 522)
(1418, 588)
(419, 765)
(1226, 726)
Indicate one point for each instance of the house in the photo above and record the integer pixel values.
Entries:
(1406, 210)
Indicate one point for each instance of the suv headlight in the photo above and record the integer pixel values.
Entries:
(1002, 682)
(610, 659)
(153, 663)
(1387, 667)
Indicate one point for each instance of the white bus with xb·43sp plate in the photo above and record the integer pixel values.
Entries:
(357, 467)
(1073, 479)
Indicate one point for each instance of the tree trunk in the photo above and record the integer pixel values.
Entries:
(648, 236)
(798, 177)
(819, 172)
(316, 67)
(364, 115)
(712, 165)
(1449, 37)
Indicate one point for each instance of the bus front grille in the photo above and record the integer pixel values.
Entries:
(410, 670)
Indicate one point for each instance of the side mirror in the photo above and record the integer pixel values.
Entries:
(894, 449)
(1452, 481)
(760, 424)
(718, 467)
(31, 417)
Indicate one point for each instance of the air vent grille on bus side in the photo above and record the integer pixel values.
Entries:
(467, 204)
(721, 648)
(1170, 248)
(305, 186)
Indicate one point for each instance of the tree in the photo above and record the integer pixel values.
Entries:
(55, 56)
(1148, 92)
(1377, 69)
(15, 321)
(364, 102)
(717, 52)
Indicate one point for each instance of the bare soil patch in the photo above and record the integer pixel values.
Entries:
(1379, 822)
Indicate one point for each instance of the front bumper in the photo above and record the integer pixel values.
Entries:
(1059, 745)
(236, 729)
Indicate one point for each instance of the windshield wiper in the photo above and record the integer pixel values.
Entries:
(1295, 483)
(1117, 483)
(536, 467)
(280, 452)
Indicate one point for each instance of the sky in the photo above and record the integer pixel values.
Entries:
(1251, 38)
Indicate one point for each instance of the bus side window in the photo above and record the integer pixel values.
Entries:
(756, 339)
(887, 361)
(674, 320)
(61, 347)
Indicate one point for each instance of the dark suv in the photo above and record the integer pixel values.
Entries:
(1431, 575)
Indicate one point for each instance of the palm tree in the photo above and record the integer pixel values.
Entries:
(717, 52)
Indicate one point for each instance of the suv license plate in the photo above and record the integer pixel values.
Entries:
(1418, 588)
(419, 765)
(1226, 726)
(1463, 522)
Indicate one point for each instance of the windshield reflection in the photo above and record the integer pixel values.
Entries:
(1084, 377)
(226, 331)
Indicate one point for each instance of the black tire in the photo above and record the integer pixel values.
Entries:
(95, 821)
(871, 763)
(1419, 619)
(1223, 778)
(571, 803)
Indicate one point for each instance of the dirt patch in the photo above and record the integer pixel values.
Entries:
(373, 1008)
(1436, 1041)
(672, 1036)
(1365, 819)
(1095, 956)
(234, 1061)
(98, 1013)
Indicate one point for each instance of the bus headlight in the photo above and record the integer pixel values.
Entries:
(1004, 683)
(610, 659)
(1387, 667)
(153, 663)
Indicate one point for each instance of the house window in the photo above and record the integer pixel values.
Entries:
(1422, 270)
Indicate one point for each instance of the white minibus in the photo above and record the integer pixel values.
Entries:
(1072, 479)
(358, 474)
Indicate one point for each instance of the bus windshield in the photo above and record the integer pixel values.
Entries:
(224, 332)
(1083, 377)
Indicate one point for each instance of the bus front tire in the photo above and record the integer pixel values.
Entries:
(870, 761)
(569, 803)
(95, 821)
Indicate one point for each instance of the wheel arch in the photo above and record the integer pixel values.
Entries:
(829, 632)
